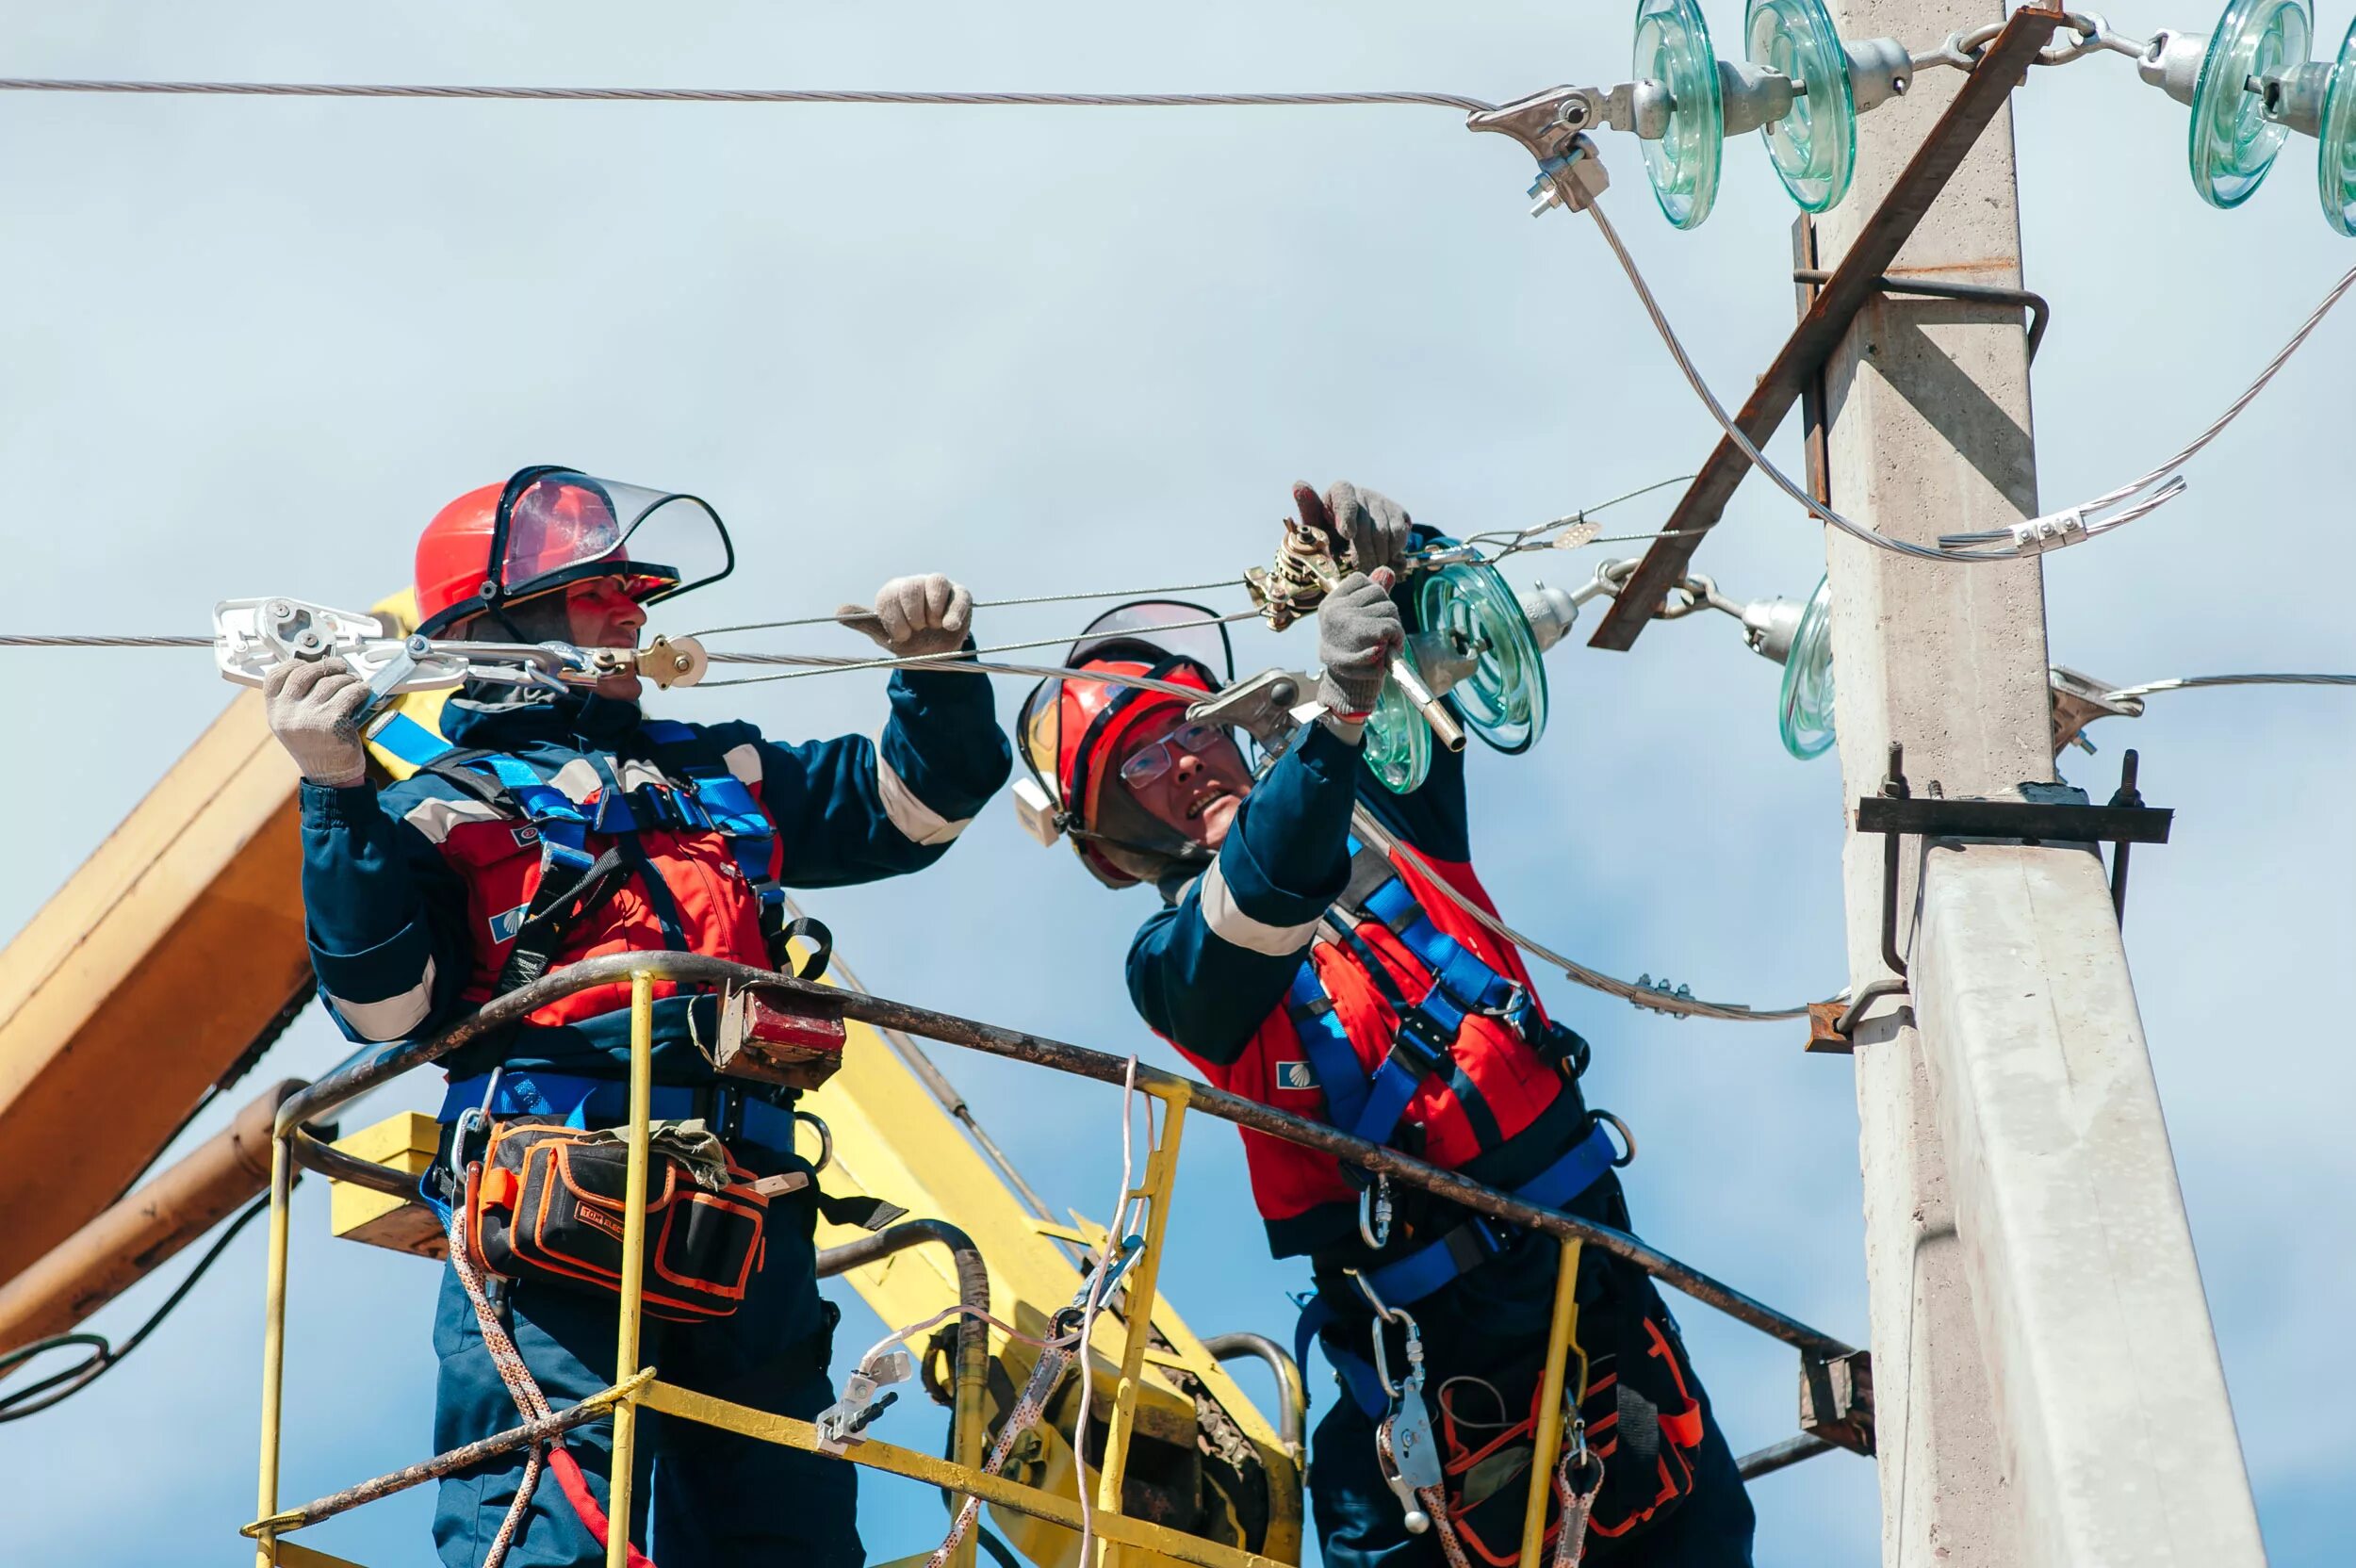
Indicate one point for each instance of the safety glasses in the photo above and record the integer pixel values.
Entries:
(1158, 758)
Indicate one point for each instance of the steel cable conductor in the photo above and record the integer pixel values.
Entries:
(2198, 682)
(746, 95)
(1655, 998)
(820, 665)
(2031, 537)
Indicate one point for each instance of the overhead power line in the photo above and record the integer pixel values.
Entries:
(749, 95)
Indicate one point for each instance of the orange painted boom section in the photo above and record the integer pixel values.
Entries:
(175, 946)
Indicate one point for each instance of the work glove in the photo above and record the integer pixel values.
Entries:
(1358, 630)
(313, 709)
(1371, 524)
(914, 616)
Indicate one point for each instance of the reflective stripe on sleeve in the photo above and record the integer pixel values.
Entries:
(1231, 924)
(917, 822)
(394, 1016)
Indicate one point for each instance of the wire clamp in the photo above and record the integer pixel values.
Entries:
(2036, 535)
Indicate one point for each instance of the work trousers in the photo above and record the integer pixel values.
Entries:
(716, 1499)
(1485, 1325)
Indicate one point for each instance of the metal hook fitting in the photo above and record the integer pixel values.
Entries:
(1628, 1139)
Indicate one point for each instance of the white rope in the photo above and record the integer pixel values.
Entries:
(747, 95)
(901, 1336)
(1113, 1233)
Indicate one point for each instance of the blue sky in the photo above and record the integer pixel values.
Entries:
(254, 345)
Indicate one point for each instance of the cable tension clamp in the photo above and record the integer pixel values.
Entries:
(252, 637)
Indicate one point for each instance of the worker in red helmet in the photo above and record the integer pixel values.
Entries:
(544, 828)
(1301, 967)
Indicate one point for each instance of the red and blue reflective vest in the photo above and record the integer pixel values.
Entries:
(1307, 973)
(659, 835)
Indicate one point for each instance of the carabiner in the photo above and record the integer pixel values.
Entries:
(1374, 1213)
(472, 1120)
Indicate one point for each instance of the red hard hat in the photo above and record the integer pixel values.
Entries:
(545, 527)
(1071, 725)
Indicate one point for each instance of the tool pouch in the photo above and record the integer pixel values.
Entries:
(771, 1035)
(545, 1202)
(1642, 1422)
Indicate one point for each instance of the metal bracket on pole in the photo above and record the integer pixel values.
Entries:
(2124, 822)
(2040, 310)
(1836, 1400)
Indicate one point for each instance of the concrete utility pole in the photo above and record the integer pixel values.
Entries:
(2047, 1379)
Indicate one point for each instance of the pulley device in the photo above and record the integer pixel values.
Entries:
(1480, 644)
(251, 637)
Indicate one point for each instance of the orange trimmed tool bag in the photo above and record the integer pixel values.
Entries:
(1642, 1421)
(545, 1202)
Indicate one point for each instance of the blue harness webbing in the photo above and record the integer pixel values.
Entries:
(1371, 1107)
(1461, 985)
(721, 803)
(1464, 1249)
(605, 1101)
(713, 800)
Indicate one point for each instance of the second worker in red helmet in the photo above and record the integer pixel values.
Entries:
(1300, 966)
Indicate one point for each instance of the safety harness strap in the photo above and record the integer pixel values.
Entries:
(726, 806)
(1460, 983)
(1462, 1250)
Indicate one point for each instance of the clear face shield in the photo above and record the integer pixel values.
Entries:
(556, 526)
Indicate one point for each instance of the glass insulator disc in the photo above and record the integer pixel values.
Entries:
(1813, 147)
(2335, 171)
(1398, 742)
(1504, 700)
(1672, 48)
(1807, 702)
(2232, 141)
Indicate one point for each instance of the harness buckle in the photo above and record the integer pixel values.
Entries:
(1420, 1038)
(1516, 1004)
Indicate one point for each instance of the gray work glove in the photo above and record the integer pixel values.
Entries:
(1373, 526)
(1358, 630)
(915, 616)
(313, 709)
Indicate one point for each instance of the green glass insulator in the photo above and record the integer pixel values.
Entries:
(2335, 168)
(1672, 48)
(2233, 139)
(1807, 702)
(1504, 700)
(1814, 146)
(1398, 742)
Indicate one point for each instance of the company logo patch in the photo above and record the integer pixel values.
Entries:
(1296, 1075)
(598, 1219)
(505, 926)
(526, 836)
